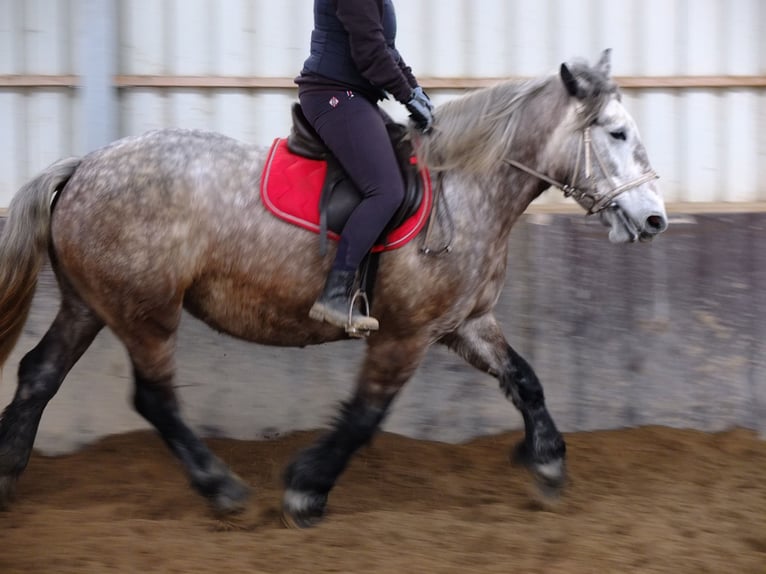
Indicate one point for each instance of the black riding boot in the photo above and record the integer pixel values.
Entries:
(335, 301)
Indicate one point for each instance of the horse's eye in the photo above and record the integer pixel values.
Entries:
(618, 135)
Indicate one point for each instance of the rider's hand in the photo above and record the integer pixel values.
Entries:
(420, 93)
(421, 110)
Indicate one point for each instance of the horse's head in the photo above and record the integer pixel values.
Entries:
(603, 162)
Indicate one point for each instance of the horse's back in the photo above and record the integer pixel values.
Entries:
(172, 169)
(159, 184)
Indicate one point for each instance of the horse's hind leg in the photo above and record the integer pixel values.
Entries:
(482, 343)
(41, 373)
(151, 345)
(312, 474)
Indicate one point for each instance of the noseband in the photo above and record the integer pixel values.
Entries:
(598, 201)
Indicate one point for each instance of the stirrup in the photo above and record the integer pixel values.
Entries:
(352, 331)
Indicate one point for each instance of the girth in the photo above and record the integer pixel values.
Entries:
(339, 195)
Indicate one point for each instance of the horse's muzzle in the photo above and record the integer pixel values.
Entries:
(629, 228)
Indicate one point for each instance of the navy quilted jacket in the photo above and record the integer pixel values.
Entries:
(353, 47)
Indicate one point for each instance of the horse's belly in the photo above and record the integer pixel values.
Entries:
(261, 316)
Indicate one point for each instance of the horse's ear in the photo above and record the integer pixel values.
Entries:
(604, 64)
(570, 82)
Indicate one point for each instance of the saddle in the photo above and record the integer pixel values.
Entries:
(339, 195)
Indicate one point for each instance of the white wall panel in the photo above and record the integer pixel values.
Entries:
(142, 109)
(191, 37)
(280, 37)
(574, 29)
(233, 113)
(48, 126)
(702, 130)
(13, 165)
(739, 157)
(233, 27)
(707, 144)
(36, 125)
(191, 109)
(531, 48)
(143, 37)
(10, 32)
(652, 52)
(47, 48)
(448, 58)
(618, 31)
(487, 39)
(740, 160)
(47, 36)
(144, 47)
(270, 115)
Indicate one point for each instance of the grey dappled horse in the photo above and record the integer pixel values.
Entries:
(150, 225)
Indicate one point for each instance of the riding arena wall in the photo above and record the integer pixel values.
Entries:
(671, 333)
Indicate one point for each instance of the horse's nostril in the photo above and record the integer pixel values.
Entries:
(656, 224)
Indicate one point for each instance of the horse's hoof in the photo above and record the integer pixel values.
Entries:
(301, 509)
(231, 496)
(7, 491)
(550, 477)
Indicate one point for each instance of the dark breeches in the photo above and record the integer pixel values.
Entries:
(355, 131)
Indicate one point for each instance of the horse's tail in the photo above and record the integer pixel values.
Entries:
(24, 241)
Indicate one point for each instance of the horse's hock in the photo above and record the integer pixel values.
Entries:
(670, 333)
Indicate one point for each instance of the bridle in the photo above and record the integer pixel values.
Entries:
(583, 195)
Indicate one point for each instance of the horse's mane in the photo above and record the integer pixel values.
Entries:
(474, 132)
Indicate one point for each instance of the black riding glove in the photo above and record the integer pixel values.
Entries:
(420, 108)
(419, 91)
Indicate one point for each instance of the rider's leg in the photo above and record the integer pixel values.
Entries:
(355, 131)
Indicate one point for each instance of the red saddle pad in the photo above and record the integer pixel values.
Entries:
(290, 188)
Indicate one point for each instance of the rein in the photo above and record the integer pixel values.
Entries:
(598, 201)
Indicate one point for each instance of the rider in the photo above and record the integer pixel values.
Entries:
(353, 65)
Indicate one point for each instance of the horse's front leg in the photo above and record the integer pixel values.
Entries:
(313, 473)
(482, 343)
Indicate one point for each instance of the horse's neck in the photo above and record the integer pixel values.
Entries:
(490, 203)
(493, 192)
